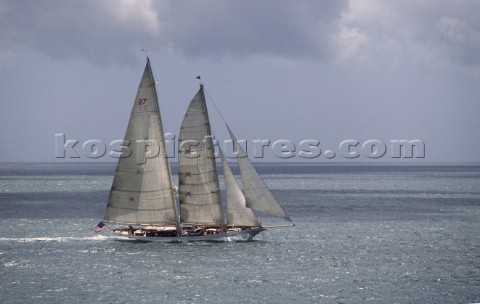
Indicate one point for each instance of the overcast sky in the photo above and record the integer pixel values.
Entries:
(328, 71)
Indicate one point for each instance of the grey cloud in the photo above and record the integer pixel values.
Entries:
(101, 31)
(286, 28)
(95, 30)
(437, 32)
(460, 39)
(449, 27)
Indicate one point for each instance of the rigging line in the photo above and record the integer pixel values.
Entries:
(216, 143)
(215, 105)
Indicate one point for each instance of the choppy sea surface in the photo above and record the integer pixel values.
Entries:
(364, 234)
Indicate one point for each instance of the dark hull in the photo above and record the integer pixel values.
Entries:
(229, 236)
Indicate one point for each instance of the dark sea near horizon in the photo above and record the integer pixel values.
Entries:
(364, 234)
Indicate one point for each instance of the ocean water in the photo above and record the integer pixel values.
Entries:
(364, 234)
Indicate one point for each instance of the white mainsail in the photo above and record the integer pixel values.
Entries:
(238, 212)
(258, 196)
(199, 191)
(142, 187)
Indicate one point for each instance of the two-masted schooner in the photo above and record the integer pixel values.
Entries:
(145, 200)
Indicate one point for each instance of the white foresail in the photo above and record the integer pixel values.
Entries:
(238, 212)
(258, 196)
(142, 187)
(199, 190)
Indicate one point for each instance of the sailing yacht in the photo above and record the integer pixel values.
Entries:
(145, 200)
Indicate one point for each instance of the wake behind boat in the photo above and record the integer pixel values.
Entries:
(143, 194)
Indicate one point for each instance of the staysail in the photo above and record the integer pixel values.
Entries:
(142, 187)
(238, 213)
(199, 190)
(257, 195)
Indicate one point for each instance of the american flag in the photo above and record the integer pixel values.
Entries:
(100, 227)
